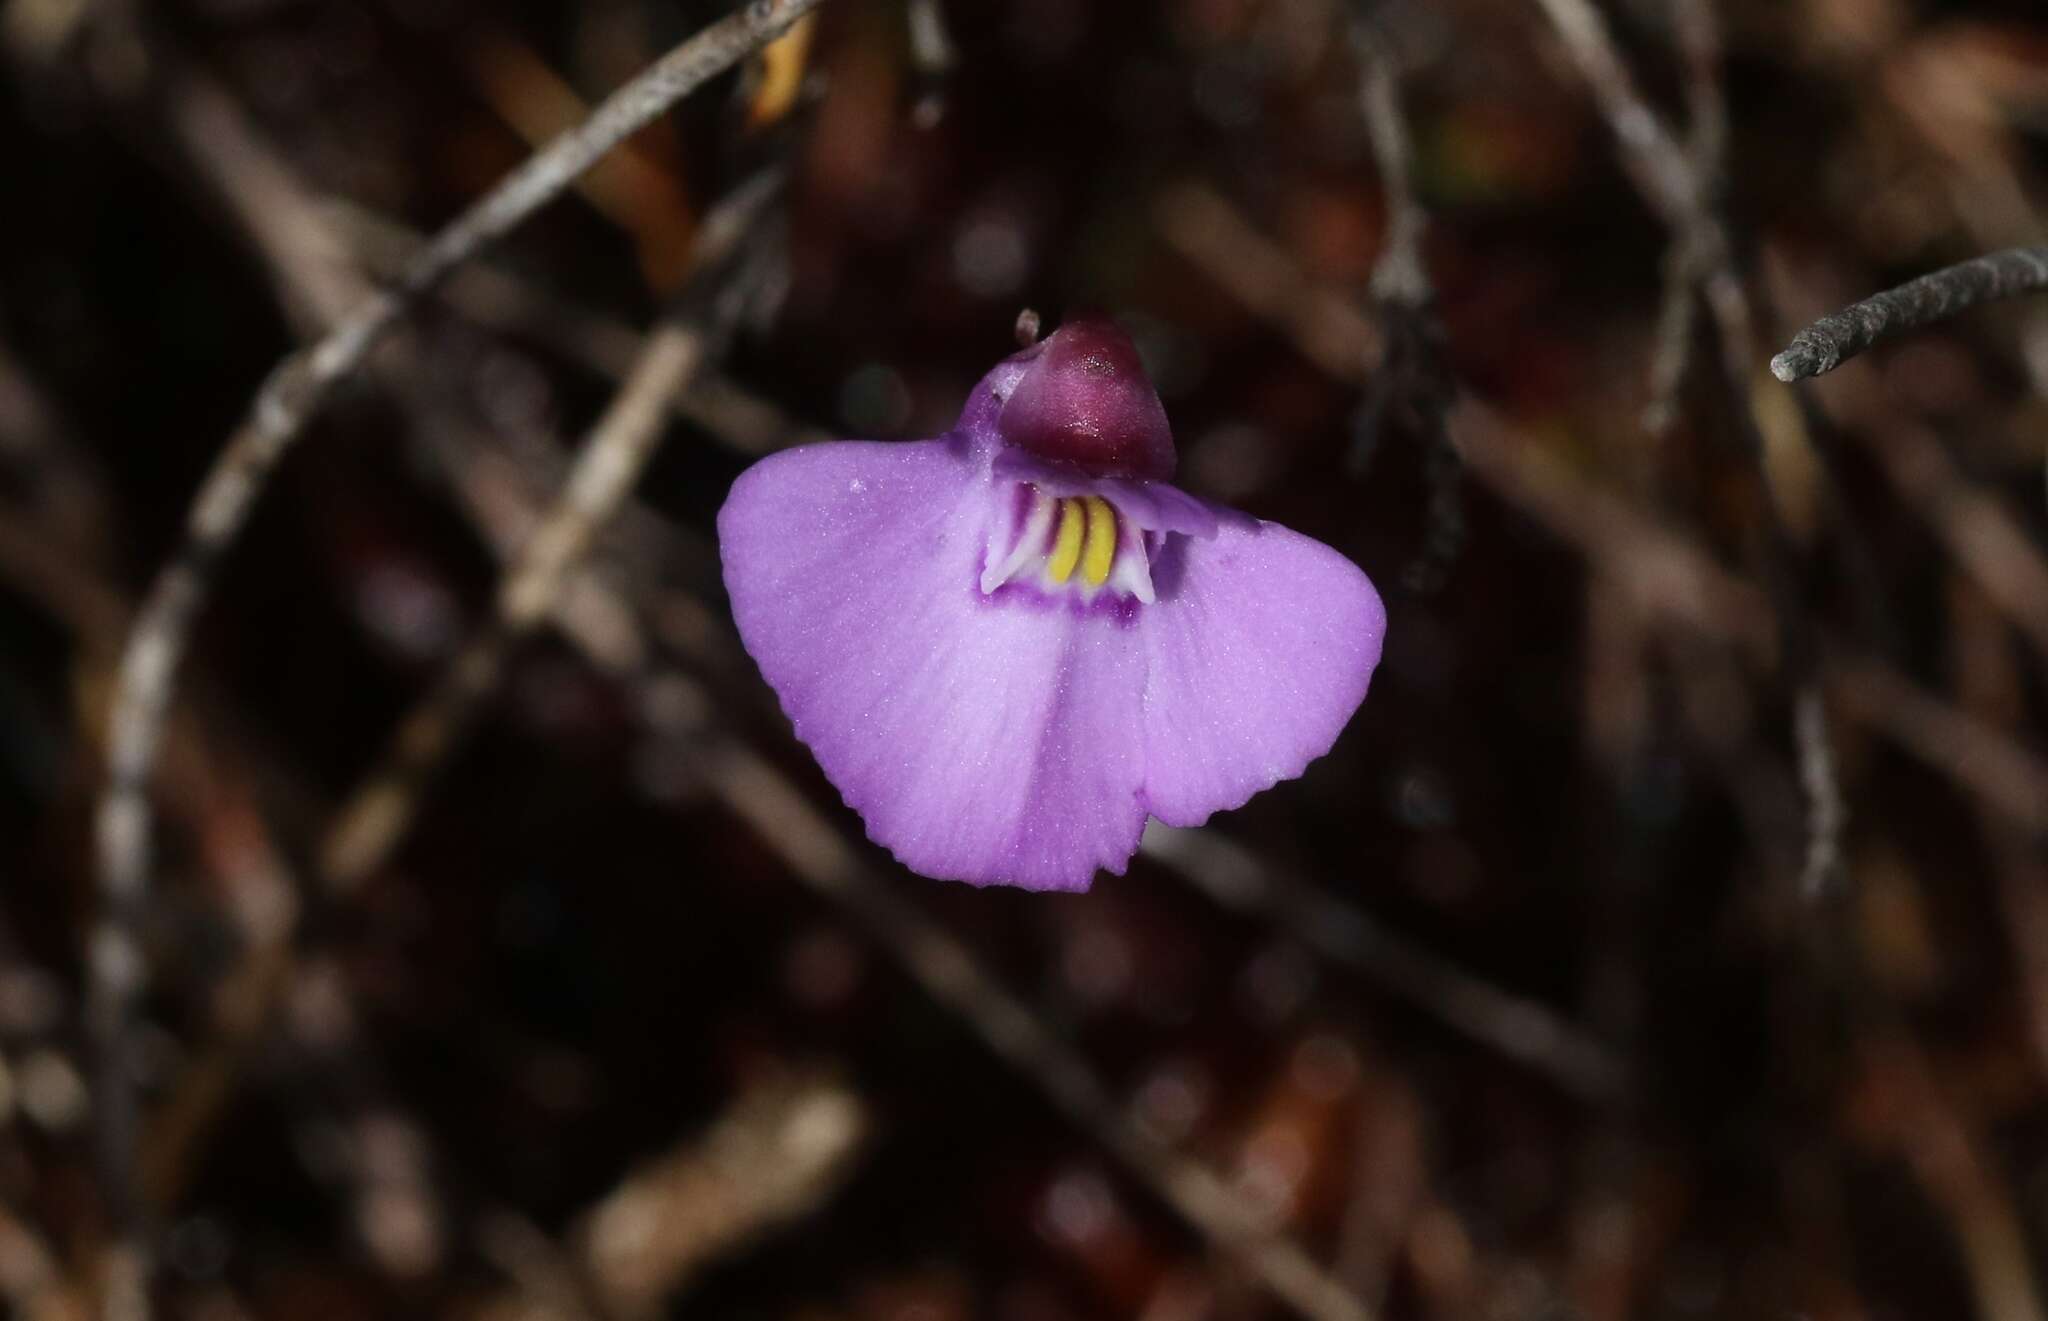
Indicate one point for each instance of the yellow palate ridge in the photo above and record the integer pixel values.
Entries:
(1099, 549)
(1066, 547)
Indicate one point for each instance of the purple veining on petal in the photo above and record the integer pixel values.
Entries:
(1122, 611)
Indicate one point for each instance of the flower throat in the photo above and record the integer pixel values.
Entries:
(1077, 546)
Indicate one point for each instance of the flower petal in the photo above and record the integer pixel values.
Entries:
(1260, 648)
(984, 739)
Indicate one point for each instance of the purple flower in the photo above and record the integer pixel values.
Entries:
(1009, 644)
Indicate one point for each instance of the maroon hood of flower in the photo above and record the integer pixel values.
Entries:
(1085, 400)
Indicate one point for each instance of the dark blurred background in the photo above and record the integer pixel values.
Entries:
(1558, 989)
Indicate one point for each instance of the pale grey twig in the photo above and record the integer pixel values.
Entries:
(599, 480)
(1700, 50)
(500, 301)
(1398, 275)
(1826, 812)
(287, 400)
(1707, 241)
(1670, 578)
(1412, 383)
(1671, 358)
(619, 446)
(1699, 44)
(1661, 169)
(294, 391)
(1682, 186)
(1833, 340)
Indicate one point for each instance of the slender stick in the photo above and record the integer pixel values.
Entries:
(1398, 275)
(287, 400)
(377, 814)
(1833, 340)
(1669, 578)
(1413, 381)
(1520, 1028)
(1682, 186)
(819, 856)
(1650, 153)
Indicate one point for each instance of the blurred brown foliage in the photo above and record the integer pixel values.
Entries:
(1529, 1000)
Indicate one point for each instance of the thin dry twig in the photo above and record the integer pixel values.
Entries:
(1949, 1160)
(602, 476)
(1519, 1028)
(1823, 794)
(1413, 383)
(1993, 547)
(1833, 340)
(1975, 755)
(764, 798)
(1991, 685)
(1683, 187)
(287, 400)
(1699, 41)
(778, 1151)
(316, 281)
(50, 557)
(307, 253)
(499, 301)
(1671, 358)
(377, 815)
(1326, 326)
(1666, 576)
(1662, 170)
(1398, 274)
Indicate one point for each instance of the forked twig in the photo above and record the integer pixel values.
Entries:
(606, 467)
(1683, 187)
(377, 815)
(287, 400)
